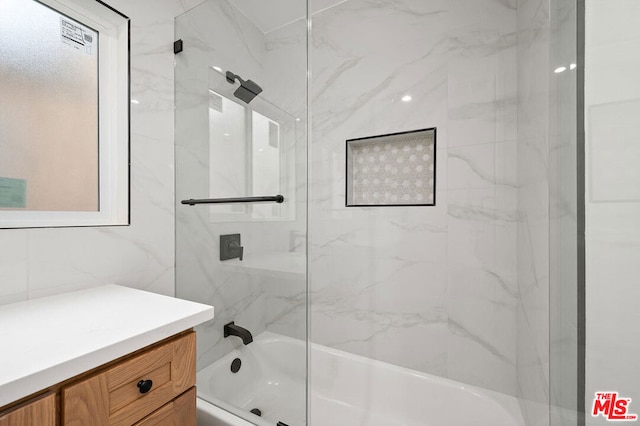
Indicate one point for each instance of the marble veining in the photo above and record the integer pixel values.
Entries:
(458, 329)
(460, 73)
(444, 281)
(533, 203)
(217, 34)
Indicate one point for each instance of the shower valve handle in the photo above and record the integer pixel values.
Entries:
(231, 247)
(235, 246)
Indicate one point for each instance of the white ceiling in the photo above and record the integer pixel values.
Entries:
(271, 14)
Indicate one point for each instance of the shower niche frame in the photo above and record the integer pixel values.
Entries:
(387, 170)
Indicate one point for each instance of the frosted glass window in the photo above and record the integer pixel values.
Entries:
(48, 107)
(64, 114)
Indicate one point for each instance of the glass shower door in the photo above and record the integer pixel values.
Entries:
(240, 131)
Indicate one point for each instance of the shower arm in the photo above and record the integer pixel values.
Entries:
(231, 78)
(275, 199)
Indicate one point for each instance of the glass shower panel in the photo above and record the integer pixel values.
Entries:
(566, 218)
(252, 150)
(241, 132)
(266, 154)
(227, 130)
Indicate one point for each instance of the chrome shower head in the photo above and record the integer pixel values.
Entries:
(248, 89)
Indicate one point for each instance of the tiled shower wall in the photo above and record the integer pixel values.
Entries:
(40, 262)
(267, 290)
(533, 203)
(429, 288)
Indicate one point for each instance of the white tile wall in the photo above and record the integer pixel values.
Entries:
(437, 280)
(261, 292)
(614, 153)
(532, 330)
(613, 208)
(441, 280)
(14, 272)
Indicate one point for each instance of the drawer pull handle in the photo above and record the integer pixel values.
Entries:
(145, 385)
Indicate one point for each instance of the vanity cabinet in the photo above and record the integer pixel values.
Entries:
(154, 386)
(41, 411)
(90, 358)
(132, 389)
(181, 411)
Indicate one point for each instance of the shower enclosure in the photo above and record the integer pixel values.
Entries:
(427, 155)
(241, 117)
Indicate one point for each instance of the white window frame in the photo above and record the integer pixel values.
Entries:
(114, 131)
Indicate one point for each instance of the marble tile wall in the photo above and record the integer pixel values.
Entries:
(436, 289)
(566, 378)
(482, 178)
(40, 262)
(267, 290)
(377, 275)
(533, 204)
(429, 288)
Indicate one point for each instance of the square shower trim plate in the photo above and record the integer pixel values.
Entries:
(397, 169)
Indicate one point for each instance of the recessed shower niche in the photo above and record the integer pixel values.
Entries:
(397, 169)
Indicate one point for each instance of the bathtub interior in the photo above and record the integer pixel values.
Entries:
(386, 394)
(271, 379)
(208, 414)
(346, 389)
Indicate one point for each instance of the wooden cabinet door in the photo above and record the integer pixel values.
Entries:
(179, 412)
(114, 397)
(41, 412)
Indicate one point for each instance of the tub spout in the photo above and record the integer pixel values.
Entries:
(235, 330)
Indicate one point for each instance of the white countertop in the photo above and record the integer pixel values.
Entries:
(46, 341)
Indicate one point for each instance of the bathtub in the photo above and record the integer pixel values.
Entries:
(346, 390)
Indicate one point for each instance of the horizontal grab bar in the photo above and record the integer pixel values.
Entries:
(276, 198)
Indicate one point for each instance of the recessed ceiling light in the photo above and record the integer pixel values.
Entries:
(217, 69)
(572, 66)
(135, 101)
(560, 69)
(406, 98)
(226, 134)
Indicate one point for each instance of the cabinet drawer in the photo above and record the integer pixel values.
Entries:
(41, 412)
(114, 396)
(179, 412)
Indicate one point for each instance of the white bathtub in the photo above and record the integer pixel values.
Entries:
(346, 390)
